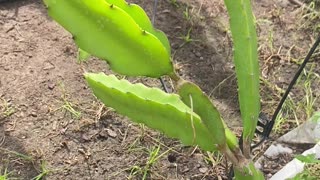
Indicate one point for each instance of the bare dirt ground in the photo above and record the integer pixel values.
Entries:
(50, 123)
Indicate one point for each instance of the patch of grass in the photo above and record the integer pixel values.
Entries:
(67, 105)
(152, 159)
(213, 158)
(309, 18)
(4, 175)
(186, 39)
(143, 170)
(272, 86)
(17, 154)
(186, 14)
(306, 105)
(280, 120)
(300, 107)
(43, 173)
(311, 169)
(174, 3)
(6, 109)
(147, 146)
(12, 158)
(309, 99)
(270, 40)
(288, 114)
(266, 45)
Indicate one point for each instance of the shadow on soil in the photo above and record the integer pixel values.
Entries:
(6, 5)
(14, 160)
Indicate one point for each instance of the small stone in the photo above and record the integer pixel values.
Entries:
(203, 169)
(51, 86)
(284, 3)
(269, 175)
(85, 137)
(185, 169)
(282, 79)
(48, 66)
(33, 114)
(104, 133)
(111, 133)
(21, 114)
(54, 125)
(198, 54)
(63, 130)
(175, 46)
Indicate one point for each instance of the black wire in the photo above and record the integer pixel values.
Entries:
(270, 125)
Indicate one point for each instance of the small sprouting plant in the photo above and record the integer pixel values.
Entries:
(311, 169)
(175, 3)
(122, 34)
(67, 105)
(6, 108)
(43, 173)
(4, 175)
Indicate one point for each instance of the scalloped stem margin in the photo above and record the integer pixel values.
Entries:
(154, 108)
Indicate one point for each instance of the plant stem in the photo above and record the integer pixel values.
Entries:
(230, 155)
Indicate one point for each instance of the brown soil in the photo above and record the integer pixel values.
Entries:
(40, 78)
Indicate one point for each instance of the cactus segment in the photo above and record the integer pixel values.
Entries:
(108, 32)
(152, 107)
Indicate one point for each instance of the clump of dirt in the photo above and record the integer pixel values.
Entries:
(54, 117)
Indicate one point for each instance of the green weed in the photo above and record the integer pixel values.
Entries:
(4, 175)
(311, 169)
(213, 158)
(17, 154)
(43, 173)
(309, 99)
(310, 18)
(152, 159)
(187, 38)
(6, 109)
(174, 3)
(186, 14)
(67, 105)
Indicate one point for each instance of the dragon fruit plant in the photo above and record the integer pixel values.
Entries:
(122, 34)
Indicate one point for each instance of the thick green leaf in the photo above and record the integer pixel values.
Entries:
(110, 33)
(152, 107)
(192, 96)
(141, 18)
(246, 63)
